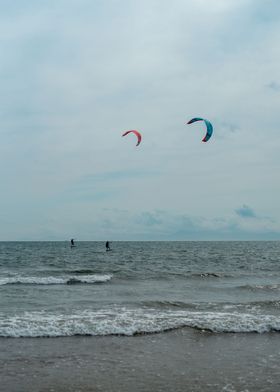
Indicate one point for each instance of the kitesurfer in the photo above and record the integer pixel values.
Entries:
(72, 242)
(107, 245)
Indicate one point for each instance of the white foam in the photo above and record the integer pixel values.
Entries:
(125, 321)
(261, 287)
(268, 287)
(47, 280)
(89, 278)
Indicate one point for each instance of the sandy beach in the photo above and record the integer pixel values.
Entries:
(182, 360)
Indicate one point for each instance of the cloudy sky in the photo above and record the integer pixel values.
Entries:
(76, 74)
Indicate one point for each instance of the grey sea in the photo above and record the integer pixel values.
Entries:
(146, 316)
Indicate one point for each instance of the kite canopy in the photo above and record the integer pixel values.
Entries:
(138, 134)
(208, 126)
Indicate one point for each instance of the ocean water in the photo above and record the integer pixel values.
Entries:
(50, 289)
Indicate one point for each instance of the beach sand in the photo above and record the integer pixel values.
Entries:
(182, 360)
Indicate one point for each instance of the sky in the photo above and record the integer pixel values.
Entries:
(76, 74)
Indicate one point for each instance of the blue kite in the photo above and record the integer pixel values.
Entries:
(208, 126)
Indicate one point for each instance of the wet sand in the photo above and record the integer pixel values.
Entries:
(177, 361)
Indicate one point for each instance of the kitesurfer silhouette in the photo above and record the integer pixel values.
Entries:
(107, 245)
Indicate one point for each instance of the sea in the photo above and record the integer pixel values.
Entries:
(48, 289)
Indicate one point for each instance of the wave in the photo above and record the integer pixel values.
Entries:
(129, 322)
(211, 275)
(251, 306)
(169, 304)
(50, 280)
(81, 271)
(260, 287)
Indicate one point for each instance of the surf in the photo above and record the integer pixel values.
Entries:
(51, 280)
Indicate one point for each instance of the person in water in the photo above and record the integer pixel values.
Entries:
(108, 245)
(72, 242)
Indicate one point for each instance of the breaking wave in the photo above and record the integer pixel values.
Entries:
(259, 287)
(50, 280)
(128, 322)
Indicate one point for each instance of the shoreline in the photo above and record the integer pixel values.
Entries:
(177, 361)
